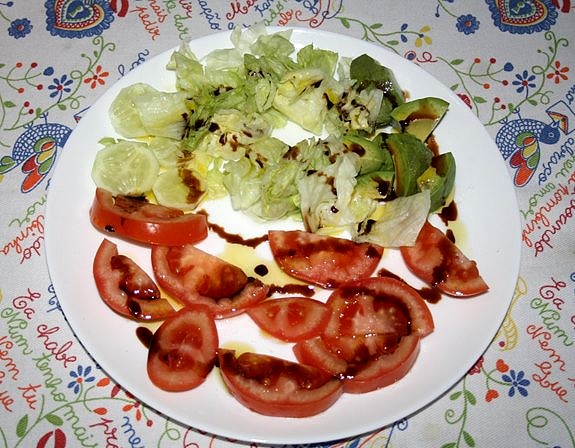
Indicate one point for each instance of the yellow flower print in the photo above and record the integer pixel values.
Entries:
(423, 38)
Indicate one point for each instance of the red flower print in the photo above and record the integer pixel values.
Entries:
(491, 394)
(465, 99)
(501, 366)
(559, 73)
(103, 382)
(477, 367)
(97, 78)
(136, 406)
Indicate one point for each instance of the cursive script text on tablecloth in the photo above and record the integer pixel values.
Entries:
(33, 232)
(548, 334)
(561, 202)
(151, 24)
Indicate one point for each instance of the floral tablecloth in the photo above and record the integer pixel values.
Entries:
(512, 62)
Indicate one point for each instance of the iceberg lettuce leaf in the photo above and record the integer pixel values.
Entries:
(140, 110)
(395, 223)
(325, 195)
(300, 98)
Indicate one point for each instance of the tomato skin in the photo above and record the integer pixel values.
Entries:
(359, 349)
(183, 350)
(321, 259)
(126, 288)
(367, 373)
(386, 369)
(436, 260)
(278, 387)
(314, 352)
(138, 220)
(373, 336)
(378, 305)
(290, 319)
(192, 276)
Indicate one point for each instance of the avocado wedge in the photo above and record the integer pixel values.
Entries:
(411, 158)
(420, 117)
(439, 179)
(372, 152)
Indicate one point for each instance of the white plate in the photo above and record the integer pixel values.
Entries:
(487, 231)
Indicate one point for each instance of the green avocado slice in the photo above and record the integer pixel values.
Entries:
(375, 185)
(420, 117)
(439, 179)
(411, 158)
(373, 153)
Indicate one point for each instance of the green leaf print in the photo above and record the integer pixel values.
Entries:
(468, 439)
(54, 419)
(22, 426)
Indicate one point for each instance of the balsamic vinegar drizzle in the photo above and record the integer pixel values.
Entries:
(234, 238)
(145, 336)
(429, 294)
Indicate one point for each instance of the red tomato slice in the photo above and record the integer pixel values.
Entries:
(278, 387)
(126, 288)
(323, 260)
(436, 260)
(364, 371)
(137, 219)
(372, 337)
(359, 349)
(385, 369)
(291, 319)
(377, 305)
(193, 276)
(183, 350)
(314, 352)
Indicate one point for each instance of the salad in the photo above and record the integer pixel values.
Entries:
(368, 167)
(365, 169)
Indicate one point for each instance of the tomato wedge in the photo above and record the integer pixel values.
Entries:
(372, 337)
(383, 370)
(183, 349)
(126, 288)
(291, 319)
(366, 370)
(192, 276)
(377, 305)
(314, 352)
(278, 387)
(139, 220)
(321, 259)
(436, 260)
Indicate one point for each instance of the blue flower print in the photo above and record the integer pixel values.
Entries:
(81, 375)
(403, 36)
(20, 28)
(518, 382)
(60, 86)
(524, 81)
(467, 24)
